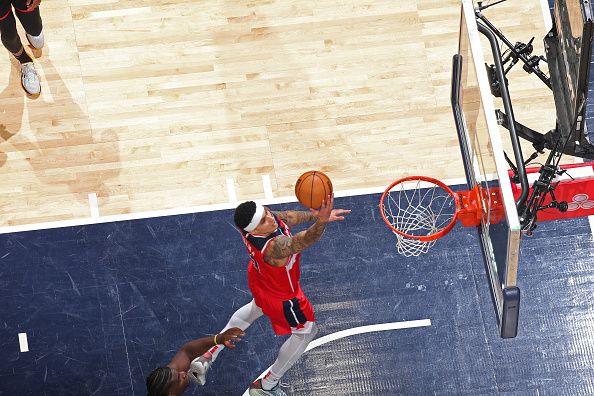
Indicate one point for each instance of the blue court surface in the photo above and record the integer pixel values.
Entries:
(104, 304)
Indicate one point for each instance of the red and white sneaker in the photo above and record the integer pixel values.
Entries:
(256, 390)
(199, 367)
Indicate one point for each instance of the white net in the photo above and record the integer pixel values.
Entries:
(420, 209)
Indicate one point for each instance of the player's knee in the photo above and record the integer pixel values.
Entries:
(308, 337)
(255, 310)
(314, 331)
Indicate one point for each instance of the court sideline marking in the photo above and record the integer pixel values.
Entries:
(359, 330)
(94, 206)
(231, 190)
(194, 209)
(23, 343)
(268, 200)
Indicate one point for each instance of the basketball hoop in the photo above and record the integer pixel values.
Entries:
(419, 210)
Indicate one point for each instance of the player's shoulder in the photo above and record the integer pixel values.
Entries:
(261, 241)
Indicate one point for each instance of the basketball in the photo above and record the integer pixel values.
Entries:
(312, 188)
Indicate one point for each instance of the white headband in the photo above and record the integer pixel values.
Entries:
(256, 219)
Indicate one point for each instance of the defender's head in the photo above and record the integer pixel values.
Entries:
(166, 381)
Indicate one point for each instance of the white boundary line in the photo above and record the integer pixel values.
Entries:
(359, 330)
(93, 205)
(192, 209)
(267, 187)
(23, 343)
(231, 191)
(546, 15)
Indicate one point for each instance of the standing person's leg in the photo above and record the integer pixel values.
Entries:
(12, 42)
(288, 355)
(242, 318)
(31, 21)
(8, 31)
(295, 317)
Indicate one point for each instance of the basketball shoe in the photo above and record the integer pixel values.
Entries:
(256, 390)
(199, 367)
(30, 79)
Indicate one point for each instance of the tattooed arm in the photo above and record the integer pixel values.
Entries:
(282, 247)
(294, 217)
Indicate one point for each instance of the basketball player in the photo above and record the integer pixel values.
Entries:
(28, 13)
(172, 380)
(273, 278)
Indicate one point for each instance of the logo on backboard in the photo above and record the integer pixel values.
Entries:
(580, 201)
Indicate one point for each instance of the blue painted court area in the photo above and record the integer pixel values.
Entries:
(104, 304)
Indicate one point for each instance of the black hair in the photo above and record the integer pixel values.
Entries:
(244, 214)
(157, 382)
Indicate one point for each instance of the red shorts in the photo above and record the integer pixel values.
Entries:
(286, 316)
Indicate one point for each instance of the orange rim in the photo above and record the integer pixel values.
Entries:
(422, 238)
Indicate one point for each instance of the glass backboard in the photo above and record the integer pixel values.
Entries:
(485, 166)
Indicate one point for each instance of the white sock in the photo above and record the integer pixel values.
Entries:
(242, 318)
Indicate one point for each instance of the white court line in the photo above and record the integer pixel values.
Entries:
(23, 343)
(359, 330)
(546, 15)
(267, 187)
(192, 209)
(93, 205)
(231, 190)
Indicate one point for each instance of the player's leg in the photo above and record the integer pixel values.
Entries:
(31, 21)
(288, 355)
(242, 318)
(12, 42)
(8, 31)
(295, 317)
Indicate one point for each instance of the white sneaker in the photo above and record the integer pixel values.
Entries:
(199, 368)
(30, 79)
(36, 42)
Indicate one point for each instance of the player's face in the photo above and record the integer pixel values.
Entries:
(178, 382)
(267, 224)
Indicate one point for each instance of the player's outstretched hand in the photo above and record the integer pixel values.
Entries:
(336, 214)
(231, 336)
(327, 213)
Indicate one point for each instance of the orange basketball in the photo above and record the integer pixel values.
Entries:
(312, 188)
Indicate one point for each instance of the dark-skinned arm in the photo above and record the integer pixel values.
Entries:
(192, 349)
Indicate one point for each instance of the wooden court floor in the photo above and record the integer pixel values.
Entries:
(158, 104)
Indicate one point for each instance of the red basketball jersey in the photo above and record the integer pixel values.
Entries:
(266, 279)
